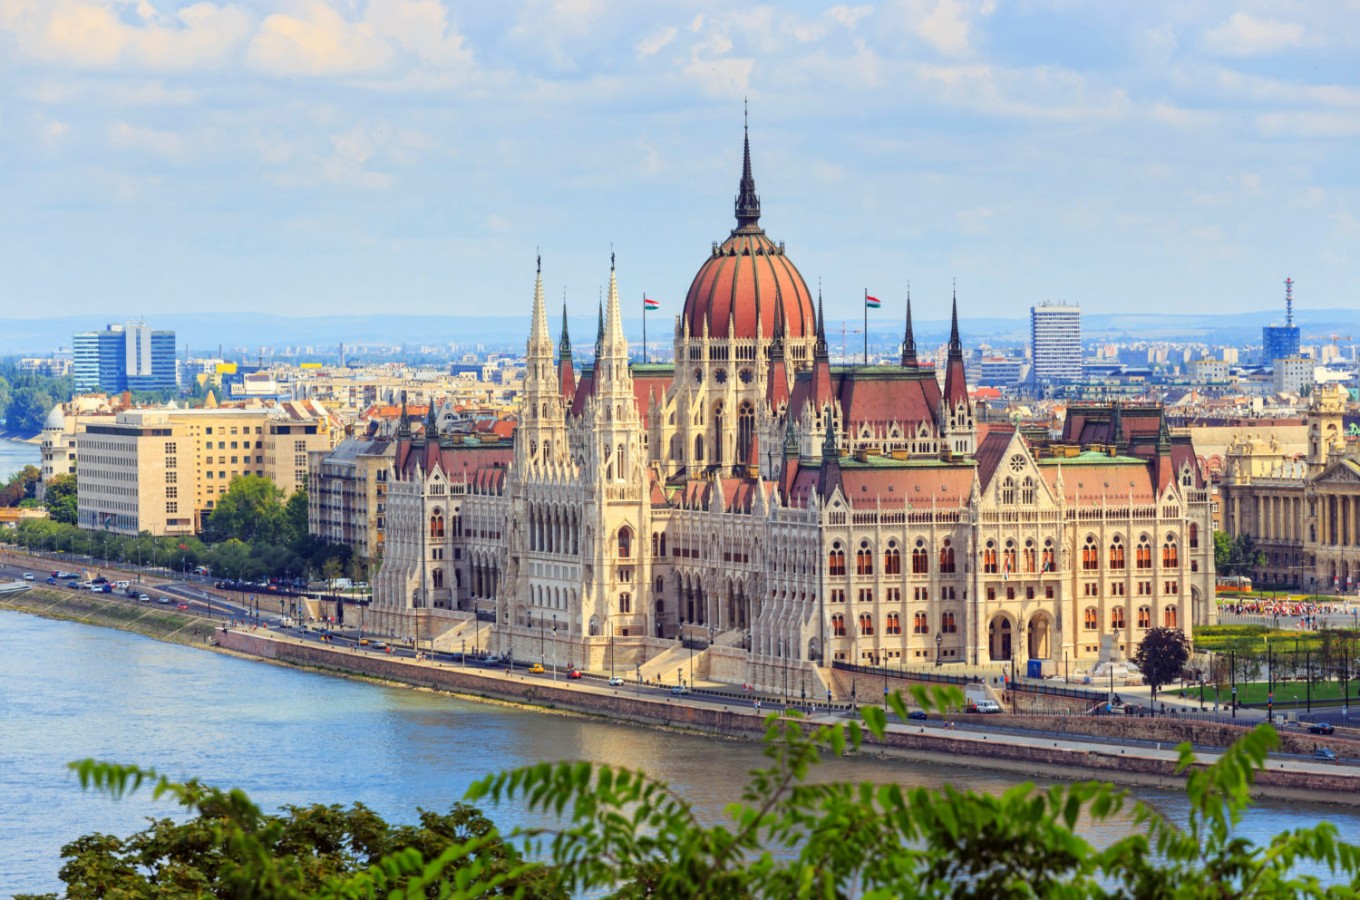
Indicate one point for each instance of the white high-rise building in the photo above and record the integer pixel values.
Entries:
(1055, 335)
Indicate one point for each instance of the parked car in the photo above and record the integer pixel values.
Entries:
(616, 681)
(1321, 728)
(1325, 753)
(984, 706)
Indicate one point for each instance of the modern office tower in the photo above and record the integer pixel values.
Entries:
(127, 357)
(1055, 335)
(1281, 341)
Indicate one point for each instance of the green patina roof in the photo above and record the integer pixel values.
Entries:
(1090, 458)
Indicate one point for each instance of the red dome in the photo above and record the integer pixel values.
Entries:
(747, 280)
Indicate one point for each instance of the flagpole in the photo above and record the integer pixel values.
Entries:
(866, 326)
(644, 328)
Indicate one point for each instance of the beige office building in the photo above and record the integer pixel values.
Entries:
(161, 471)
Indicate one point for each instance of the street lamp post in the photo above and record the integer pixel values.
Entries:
(939, 640)
(554, 630)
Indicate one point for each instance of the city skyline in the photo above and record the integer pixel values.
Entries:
(319, 157)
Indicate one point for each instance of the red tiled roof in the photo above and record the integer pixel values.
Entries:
(747, 279)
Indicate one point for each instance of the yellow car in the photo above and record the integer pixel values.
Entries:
(536, 669)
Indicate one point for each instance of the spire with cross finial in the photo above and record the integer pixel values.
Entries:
(748, 202)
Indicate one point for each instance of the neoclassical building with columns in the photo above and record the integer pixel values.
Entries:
(757, 510)
(1302, 510)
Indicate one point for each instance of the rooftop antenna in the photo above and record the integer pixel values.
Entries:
(1289, 302)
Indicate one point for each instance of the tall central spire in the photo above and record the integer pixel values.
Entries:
(748, 202)
(955, 344)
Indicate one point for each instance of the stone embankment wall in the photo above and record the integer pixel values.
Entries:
(1037, 758)
(155, 621)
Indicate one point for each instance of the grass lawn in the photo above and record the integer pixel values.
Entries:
(1286, 692)
(1236, 637)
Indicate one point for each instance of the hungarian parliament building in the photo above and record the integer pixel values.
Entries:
(753, 511)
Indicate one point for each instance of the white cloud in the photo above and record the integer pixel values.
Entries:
(654, 43)
(318, 42)
(946, 25)
(1246, 35)
(90, 33)
(729, 77)
(1309, 124)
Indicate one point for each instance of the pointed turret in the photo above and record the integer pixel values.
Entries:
(777, 380)
(540, 341)
(1116, 427)
(830, 476)
(955, 381)
(909, 339)
(748, 202)
(821, 361)
(404, 423)
(566, 373)
(599, 333)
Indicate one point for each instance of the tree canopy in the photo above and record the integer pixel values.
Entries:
(60, 497)
(1236, 555)
(1161, 657)
(614, 832)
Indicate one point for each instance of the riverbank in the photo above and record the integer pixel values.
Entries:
(1033, 755)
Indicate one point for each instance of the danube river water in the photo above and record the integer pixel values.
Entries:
(69, 691)
(14, 455)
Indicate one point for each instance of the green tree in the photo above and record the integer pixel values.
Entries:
(1161, 657)
(21, 485)
(615, 832)
(27, 410)
(61, 499)
(1236, 555)
(251, 508)
(295, 516)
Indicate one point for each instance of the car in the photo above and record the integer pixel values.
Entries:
(379, 645)
(574, 674)
(51, 580)
(1321, 728)
(1325, 753)
(28, 576)
(679, 690)
(917, 715)
(536, 669)
(492, 660)
(133, 593)
(984, 706)
(182, 606)
(363, 642)
(145, 598)
(615, 681)
(104, 588)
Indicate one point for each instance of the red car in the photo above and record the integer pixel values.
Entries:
(574, 673)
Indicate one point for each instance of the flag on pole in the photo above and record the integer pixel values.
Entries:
(648, 304)
(872, 302)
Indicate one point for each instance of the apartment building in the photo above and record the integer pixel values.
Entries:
(161, 471)
(347, 494)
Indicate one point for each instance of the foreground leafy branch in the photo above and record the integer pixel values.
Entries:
(616, 832)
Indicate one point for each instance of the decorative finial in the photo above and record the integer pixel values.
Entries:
(748, 202)
(540, 260)
(611, 257)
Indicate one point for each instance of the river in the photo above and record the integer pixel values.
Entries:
(14, 455)
(69, 691)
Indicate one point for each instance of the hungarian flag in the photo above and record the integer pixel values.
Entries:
(872, 302)
(648, 304)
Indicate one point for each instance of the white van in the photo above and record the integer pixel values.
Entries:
(122, 585)
(987, 706)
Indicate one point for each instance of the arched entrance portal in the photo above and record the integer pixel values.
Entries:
(999, 638)
(1040, 637)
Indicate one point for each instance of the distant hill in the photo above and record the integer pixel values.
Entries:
(204, 332)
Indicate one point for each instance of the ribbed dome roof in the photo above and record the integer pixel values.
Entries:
(56, 418)
(749, 279)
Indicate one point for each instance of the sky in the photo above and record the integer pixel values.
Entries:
(311, 157)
